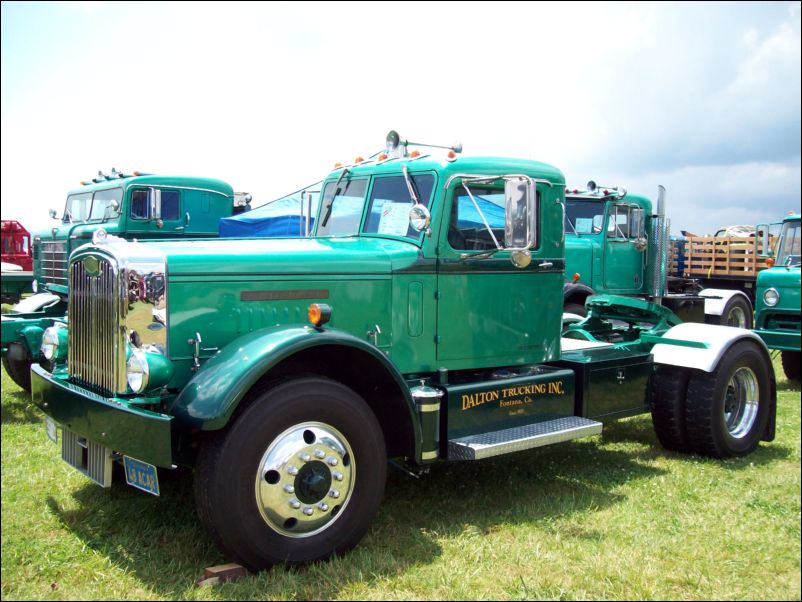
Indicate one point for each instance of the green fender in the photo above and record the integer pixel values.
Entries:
(210, 398)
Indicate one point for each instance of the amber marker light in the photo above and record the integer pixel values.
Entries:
(770, 262)
(451, 156)
(319, 313)
(358, 160)
(414, 154)
(382, 157)
(575, 279)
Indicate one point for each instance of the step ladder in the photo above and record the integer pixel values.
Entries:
(496, 443)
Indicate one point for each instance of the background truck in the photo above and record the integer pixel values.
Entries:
(612, 247)
(777, 311)
(288, 371)
(130, 206)
(17, 266)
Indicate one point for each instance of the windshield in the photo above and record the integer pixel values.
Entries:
(341, 208)
(83, 207)
(583, 216)
(390, 203)
(788, 252)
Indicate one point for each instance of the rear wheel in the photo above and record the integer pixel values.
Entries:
(726, 411)
(299, 475)
(791, 367)
(17, 363)
(668, 394)
(737, 312)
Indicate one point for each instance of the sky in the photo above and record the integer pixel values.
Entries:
(703, 98)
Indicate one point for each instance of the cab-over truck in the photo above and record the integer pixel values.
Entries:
(126, 205)
(288, 371)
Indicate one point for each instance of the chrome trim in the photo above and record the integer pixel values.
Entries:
(95, 462)
(53, 257)
(492, 178)
(741, 402)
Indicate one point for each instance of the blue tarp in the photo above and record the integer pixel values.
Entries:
(276, 219)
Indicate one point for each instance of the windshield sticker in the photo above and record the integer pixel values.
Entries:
(394, 218)
(584, 225)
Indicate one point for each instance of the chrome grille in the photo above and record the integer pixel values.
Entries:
(97, 346)
(53, 262)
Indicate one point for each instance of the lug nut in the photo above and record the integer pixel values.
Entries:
(295, 504)
(338, 476)
(319, 453)
(289, 488)
(305, 457)
(331, 461)
(323, 506)
(334, 493)
(292, 470)
(309, 511)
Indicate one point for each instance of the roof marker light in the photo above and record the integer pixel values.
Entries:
(358, 159)
(414, 154)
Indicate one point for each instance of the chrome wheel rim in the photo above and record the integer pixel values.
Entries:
(736, 317)
(305, 479)
(741, 402)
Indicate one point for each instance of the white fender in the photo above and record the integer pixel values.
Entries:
(719, 339)
(34, 303)
(715, 306)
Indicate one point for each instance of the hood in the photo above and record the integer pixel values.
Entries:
(287, 256)
(779, 277)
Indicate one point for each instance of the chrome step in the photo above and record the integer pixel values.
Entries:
(487, 445)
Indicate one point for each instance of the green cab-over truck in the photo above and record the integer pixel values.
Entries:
(613, 246)
(131, 206)
(777, 310)
(287, 372)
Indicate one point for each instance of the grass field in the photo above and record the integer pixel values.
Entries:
(609, 517)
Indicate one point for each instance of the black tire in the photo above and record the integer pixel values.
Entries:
(737, 312)
(791, 367)
(726, 411)
(19, 369)
(575, 308)
(669, 389)
(252, 518)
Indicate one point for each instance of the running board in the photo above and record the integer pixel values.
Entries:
(486, 445)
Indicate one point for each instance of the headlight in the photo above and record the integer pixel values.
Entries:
(138, 371)
(54, 343)
(771, 297)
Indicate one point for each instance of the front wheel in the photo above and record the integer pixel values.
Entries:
(791, 367)
(298, 477)
(727, 411)
(17, 363)
(737, 312)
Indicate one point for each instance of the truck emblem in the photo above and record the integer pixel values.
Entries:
(92, 266)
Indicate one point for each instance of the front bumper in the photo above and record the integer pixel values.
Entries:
(129, 430)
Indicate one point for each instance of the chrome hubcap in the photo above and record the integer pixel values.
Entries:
(305, 479)
(741, 401)
(736, 317)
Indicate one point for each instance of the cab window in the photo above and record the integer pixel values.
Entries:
(466, 230)
(618, 224)
(390, 202)
(341, 208)
(170, 204)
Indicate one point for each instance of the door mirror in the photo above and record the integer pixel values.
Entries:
(520, 227)
(419, 217)
(637, 229)
(155, 203)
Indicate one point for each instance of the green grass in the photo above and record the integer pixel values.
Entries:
(609, 517)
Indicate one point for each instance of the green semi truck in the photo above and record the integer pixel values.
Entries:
(613, 247)
(777, 311)
(287, 372)
(131, 206)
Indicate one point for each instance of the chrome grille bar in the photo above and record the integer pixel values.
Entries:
(96, 349)
(53, 262)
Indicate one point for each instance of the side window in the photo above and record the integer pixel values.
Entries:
(139, 204)
(170, 208)
(467, 231)
(390, 203)
(618, 222)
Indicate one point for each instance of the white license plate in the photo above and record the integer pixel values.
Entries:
(51, 428)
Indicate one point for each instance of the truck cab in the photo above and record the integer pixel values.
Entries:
(613, 247)
(419, 323)
(126, 205)
(777, 311)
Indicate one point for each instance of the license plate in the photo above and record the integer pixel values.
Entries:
(141, 475)
(51, 428)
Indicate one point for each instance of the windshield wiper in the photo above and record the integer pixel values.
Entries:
(334, 196)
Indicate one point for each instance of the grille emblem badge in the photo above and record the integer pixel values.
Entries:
(92, 266)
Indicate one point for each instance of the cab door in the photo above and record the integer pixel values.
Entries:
(490, 312)
(624, 256)
(156, 212)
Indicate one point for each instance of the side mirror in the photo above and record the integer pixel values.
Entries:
(520, 227)
(155, 203)
(52, 213)
(637, 229)
(419, 217)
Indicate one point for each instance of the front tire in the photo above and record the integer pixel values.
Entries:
(791, 367)
(727, 411)
(298, 477)
(17, 363)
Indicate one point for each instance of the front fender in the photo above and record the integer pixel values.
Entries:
(210, 398)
